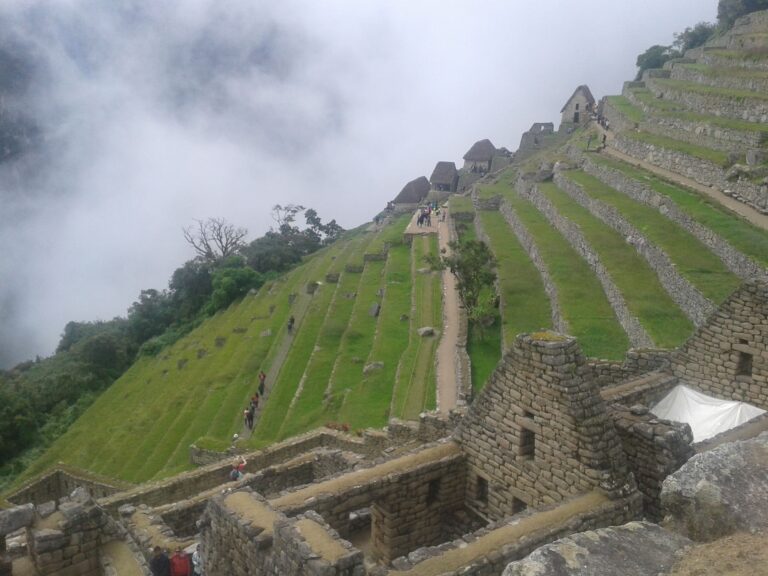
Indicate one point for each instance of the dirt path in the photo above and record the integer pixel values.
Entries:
(447, 383)
(760, 220)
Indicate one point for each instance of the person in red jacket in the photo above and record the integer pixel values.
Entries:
(180, 565)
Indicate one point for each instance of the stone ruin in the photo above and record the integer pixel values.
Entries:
(556, 444)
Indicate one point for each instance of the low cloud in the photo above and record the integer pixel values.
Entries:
(151, 114)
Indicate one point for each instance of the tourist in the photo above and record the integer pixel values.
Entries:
(291, 322)
(246, 415)
(238, 468)
(160, 565)
(197, 562)
(604, 139)
(262, 381)
(180, 564)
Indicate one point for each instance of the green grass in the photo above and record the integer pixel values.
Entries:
(415, 385)
(369, 404)
(691, 258)
(716, 157)
(627, 109)
(157, 408)
(644, 295)
(753, 55)
(484, 349)
(525, 305)
(671, 109)
(742, 235)
(458, 204)
(716, 72)
(692, 87)
(580, 295)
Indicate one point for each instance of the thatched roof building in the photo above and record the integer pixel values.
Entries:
(444, 177)
(413, 192)
(478, 159)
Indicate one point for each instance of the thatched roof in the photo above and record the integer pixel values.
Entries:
(444, 173)
(584, 89)
(481, 151)
(413, 192)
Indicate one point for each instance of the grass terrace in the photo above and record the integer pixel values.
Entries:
(745, 237)
(580, 294)
(627, 109)
(644, 295)
(718, 72)
(753, 55)
(714, 156)
(694, 88)
(692, 259)
(415, 383)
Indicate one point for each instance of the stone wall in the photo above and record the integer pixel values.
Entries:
(487, 551)
(427, 480)
(526, 240)
(637, 335)
(713, 59)
(749, 109)
(737, 262)
(702, 171)
(692, 302)
(728, 81)
(703, 134)
(243, 535)
(60, 483)
(616, 120)
(654, 449)
(637, 361)
(728, 357)
(540, 432)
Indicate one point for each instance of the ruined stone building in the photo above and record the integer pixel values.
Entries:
(556, 443)
(579, 107)
(444, 177)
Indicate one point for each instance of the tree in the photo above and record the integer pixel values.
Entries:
(654, 57)
(693, 37)
(729, 10)
(215, 239)
(149, 316)
(232, 281)
(190, 288)
(472, 263)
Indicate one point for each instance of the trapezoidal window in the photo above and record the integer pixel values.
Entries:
(527, 440)
(481, 491)
(744, 366)
(433, 491)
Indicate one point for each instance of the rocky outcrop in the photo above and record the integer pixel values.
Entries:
(635, 549)
(719, 492)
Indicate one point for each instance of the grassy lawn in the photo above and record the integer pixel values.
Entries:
(580, 294)
(644, 295)
(458, 204)
(692, 87)
(160, 403)
(715, 156)
(525, 305)
(708, 212)
(415, 385)
(484, 350)
(627, 109)
(670, 109)
(754, 55)
(715, 72)
(369, 404)
(692, 259)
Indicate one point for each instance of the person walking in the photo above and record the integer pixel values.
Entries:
(262, 382)
(197, 562)
(159, 564)
(180, 565)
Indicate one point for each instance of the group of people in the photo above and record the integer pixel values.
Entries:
(180, 564)
(425, 216)
(250, 412)
(238, 468)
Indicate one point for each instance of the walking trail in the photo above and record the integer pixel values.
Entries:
(755, 217)
(447, 382)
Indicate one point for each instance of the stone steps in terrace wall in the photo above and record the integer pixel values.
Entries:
(750, 109)
(688, 298)
(702, 171)
(637, 335)
(736, 261)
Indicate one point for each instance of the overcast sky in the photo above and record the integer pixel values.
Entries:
(157, 113)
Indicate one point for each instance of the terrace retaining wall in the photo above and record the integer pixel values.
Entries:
(692, 302)
(735, 261)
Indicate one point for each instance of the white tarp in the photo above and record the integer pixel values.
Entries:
(707, 416)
